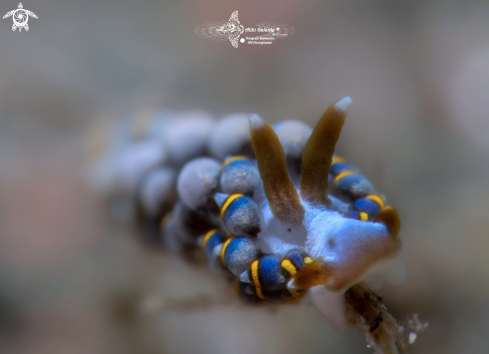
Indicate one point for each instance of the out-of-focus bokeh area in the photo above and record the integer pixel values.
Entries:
(72, 280)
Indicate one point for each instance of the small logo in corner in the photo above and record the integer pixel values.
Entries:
(265, 32)
(20, 17)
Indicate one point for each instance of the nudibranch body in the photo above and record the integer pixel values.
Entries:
(275, 208)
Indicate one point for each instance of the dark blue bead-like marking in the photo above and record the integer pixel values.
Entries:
(369, 206)
(340, 167)
(269, 274)
(353, 186)
(295, 257)
(242, 217)
(210, 241)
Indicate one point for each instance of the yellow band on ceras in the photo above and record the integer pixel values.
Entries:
(337, 159)
(254, 274)
(289, 267)
(378, 199)
(223, 250)
(233, 158)
(228, 202)
(343, 174)
(207, 236)
(256, 280)
(260, 294)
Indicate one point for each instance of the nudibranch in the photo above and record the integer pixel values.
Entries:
(274, 207)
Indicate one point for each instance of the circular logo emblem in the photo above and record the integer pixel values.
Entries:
(20, 17)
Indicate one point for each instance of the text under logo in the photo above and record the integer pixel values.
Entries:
(263, 33)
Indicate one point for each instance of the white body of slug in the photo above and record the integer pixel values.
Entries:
(354, 251)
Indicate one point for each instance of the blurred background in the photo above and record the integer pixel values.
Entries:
(74, 281)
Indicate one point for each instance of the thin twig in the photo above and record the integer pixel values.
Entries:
(366, 313)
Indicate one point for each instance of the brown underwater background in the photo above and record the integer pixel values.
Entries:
(72, 280)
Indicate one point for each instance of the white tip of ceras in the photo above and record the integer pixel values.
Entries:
(256, 121)
(245, 277)
(291, 285)
(343, 104)
(220, 198)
